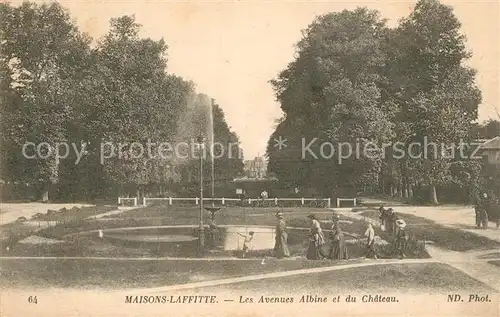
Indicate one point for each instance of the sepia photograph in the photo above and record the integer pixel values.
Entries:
(249, 158)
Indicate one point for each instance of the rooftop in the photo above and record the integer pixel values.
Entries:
(493, 144)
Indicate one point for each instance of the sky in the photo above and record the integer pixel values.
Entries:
(231, 49)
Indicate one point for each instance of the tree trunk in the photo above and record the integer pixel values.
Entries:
(433, 195)
(406, 191)
(392, 191)
(410, 190)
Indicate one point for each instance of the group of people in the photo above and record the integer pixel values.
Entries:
(337, 249)
(316, 248)
(320, 247)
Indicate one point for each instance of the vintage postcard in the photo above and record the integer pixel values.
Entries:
(249, 158)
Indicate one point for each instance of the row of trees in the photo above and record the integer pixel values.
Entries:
(356, 80)
(59, 85)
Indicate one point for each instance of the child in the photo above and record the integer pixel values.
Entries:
(370, 242)
(246, 243)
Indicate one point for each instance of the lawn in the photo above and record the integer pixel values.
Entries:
(13, 232)
(445, 237)
(68, 215)
(424, 278)
(119, 274)
(114, 274)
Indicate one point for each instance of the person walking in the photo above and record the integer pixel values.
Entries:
(281, 242)
(391, 222)
(401, 238)
(316, 240)
(338, 250)
(370, 242)
(483, 215)
(477, 210)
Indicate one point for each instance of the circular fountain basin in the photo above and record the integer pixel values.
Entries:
(182, 241)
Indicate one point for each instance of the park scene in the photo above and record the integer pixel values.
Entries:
(118, 174)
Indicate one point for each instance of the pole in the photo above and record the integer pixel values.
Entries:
(201, 232)
(212, 147)
(213, 177)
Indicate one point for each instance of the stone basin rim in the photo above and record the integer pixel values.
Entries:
(181, 226)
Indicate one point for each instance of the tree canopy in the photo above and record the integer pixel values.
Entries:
(355, 82)
(98, 99)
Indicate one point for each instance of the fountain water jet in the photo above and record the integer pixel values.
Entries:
(198, 121)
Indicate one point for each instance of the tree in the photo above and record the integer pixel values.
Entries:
(437, 96)
(332, 92)
(42, 58)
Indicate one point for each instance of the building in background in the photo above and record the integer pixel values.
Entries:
(256, 168)
(491, 151)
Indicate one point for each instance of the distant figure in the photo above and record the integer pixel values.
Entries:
(316, 240)
(484, 211)
(395, 228)
(246, 242)
(335, 217)
(401, 239)
(387, 219)
(338, 249)
(382, 216)
(381, 209)
(370, 242)
(481, 210)
(264, 195)
(477, 210)
(101, 234)
(213, 232)
(281, 243)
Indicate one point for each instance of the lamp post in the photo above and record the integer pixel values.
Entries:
(201, 231)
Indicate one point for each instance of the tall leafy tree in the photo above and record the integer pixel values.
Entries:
(332, 92)
(41, 57)
(437, 95)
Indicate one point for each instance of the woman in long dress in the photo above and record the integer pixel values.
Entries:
(281, 244)
(338, 250)
(316, 240)
(401, 239)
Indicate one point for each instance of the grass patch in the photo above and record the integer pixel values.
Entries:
(425, 278)
(115, 274)
(14, 232)
(68, 215)
(71, 219)
(444, 237)
(496, 262)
